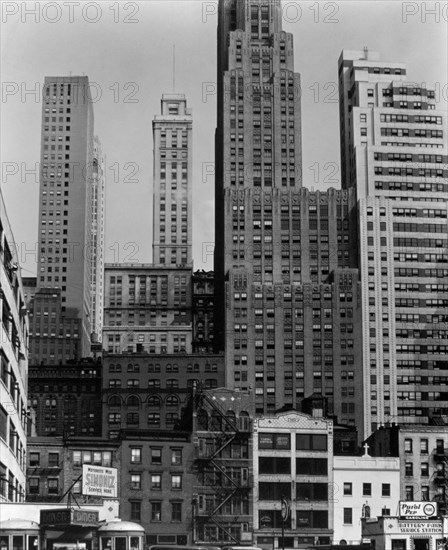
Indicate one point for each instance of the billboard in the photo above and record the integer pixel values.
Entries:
(99, 481)
(423, 509)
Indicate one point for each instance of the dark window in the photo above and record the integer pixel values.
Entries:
(276, 465)
(312, 491)
(274, 441)
(274, 491)
(314, 466)
(136, 510)
(348, 488)
(311, 442)
(348, 516)
(385, 490)
(367, 489)
(176, 511)
(312, 519)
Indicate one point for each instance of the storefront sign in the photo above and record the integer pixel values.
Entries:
(418, 509)
(69, 516)
(60, 516)
(420, 527)
(99, 481)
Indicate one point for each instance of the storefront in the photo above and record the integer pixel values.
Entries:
(60, 528)
(394, 533)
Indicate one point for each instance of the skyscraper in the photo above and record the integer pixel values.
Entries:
(287, 290)
(71, 202)
(172, 224)
(394, 154)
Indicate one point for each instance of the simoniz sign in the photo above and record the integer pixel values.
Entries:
(99, 481)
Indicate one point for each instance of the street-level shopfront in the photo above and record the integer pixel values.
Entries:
(395, 533)
(65, 528)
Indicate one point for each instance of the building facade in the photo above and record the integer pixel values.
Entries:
(394, 153)
(142, 391)
(54, 467)
(223, 486)
(147, 308)
(287, 307)
(364, 486)
(203, 309)
(423, 454)
(14, 367)
(156, 483)
(97, 245)
(172, 222)
(65, 399)
(293, 458)
(70, 219)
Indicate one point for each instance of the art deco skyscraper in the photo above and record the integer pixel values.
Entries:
(70, 221)
(286, 310)
(394, 154)
(172, 223)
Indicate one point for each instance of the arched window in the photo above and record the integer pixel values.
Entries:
(114, 401)
(133, 401)
(172, 401)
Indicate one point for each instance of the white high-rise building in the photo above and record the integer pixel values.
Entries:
(394, 153)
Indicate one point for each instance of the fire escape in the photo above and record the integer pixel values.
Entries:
(224, 480)
(440, 478)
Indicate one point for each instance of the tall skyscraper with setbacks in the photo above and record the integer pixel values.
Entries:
(287, 290)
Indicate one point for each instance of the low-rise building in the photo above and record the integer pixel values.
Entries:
(156, 483)
(395, 533)
(293, 479)
(363, 487)
(423, 453)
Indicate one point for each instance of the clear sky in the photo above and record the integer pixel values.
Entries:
(126, 49)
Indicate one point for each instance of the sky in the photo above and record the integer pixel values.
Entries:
(126, 50)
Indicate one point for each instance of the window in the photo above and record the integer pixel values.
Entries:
(409, 490)
(34, 485)
(311, 442)
(367, 489)
(425, 492)
(136, 511)
(136, 481)
(156, 481)
(385, 489)
(156, 511)
(176, 481)
(423, 446)
(53, 459)
(34, 459)
(408, 469)
(136, 455)
(348, 488)
(274, 441)
(53, 486)
(156, 456)
(176, 456)
(305, 466)
(424, 469)
(408, 445)
(348, 516)
(176, 511)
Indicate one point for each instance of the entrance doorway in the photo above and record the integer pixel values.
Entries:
(421, 544)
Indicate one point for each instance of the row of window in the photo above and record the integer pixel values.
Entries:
(156, 511)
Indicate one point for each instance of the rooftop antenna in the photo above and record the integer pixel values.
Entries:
(174, 67)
